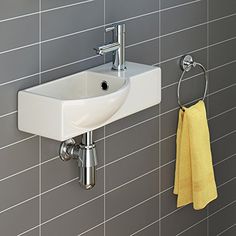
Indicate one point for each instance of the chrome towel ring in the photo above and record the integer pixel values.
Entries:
(186, 64)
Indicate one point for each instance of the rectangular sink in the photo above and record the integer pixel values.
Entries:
(85, 101)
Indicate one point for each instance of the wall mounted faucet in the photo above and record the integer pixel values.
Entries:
(85, 154)
(117, 47)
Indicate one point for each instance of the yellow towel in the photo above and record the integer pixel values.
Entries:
(194, 175)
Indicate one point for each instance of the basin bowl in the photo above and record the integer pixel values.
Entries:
(84, 100)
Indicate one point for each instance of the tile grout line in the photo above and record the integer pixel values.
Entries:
(223, 136)
(40, 139)
(226, 182)
(222, 113)
(8, 114)
(88, 230)
(225, 159)
(133, 180)
(66, 6)
(226, 229)
(104, 190)
(195, 224)
(159, 123)
(43, 11)
(20, 141)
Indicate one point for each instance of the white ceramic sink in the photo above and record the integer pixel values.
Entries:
(75, 104)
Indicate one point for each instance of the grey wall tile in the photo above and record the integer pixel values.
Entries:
(19, 63)
(222, 53)
(116, 11)
(140, 163)
(225, 171)
(9, 92)
(231, 231)
(168, 149)
(187, 41)
(98, 231)
(58, 200)
(118, 226)
(19, 32)
(222, 77)
(148, 29)
(225, 197)
(76, 221)
(8, 126)
(34, 232)
(19, 157)
(151, 230)
(115, 203)
(226, 99)
(73, 48)
(71, 69)
(53, 25)
(199, 229)
(223, 148)
(13, 8)
(223, 220)
(222, 30)
(169, 123)
(182, 17)
(180, 220)
(168, 202)
(146, 53)
(217, 129)
(30, 213)
(167, 176)
(49, 149)
(132, 120)
(139, 137)
(217, 9)
(19, 188)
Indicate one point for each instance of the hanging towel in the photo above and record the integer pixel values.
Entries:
(194, 174)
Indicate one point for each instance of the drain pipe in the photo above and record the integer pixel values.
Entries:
(85, 154)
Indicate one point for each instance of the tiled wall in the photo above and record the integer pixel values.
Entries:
(41, 40)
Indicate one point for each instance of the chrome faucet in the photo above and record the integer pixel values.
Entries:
(117, 47)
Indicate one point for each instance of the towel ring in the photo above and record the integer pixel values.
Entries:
(186, 64)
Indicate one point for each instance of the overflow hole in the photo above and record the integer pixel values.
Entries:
(104, 85)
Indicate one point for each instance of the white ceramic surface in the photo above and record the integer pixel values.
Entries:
(75, 104)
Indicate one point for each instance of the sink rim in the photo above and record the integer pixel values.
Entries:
(124, 86)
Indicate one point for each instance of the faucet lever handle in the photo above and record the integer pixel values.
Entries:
(112, 28)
